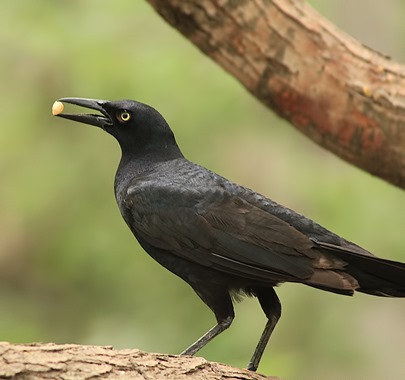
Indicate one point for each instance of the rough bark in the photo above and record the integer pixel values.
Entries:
(39, 361)
(341, 94)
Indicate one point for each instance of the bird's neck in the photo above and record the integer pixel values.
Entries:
(147, 155)
(136, 163)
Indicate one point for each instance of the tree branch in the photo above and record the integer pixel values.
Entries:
(69, 361)
(341, 94)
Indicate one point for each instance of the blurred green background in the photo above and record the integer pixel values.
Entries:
(70, 270)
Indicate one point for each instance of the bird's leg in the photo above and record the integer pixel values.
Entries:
(219, 301)
(208, 336)
(272, 308)
(257, 355)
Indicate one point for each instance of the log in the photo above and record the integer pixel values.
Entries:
(38, 361)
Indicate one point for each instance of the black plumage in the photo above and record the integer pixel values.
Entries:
(219, 237)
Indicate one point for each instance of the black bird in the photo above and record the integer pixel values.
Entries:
(221, 238)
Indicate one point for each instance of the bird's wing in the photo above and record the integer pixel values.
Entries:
(238, 238)
(249, 236)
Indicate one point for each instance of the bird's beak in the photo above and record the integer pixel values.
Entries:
(101, 120)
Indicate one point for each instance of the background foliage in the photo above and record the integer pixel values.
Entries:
(70, 270)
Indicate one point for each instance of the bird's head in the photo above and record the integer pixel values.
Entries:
(139, 128)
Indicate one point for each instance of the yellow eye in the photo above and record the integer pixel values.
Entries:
(124, 116)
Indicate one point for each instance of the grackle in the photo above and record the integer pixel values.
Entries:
(223, 239)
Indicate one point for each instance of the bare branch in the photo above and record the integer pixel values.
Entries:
(341, 94)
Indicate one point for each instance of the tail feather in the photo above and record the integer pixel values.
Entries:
(376, 276)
